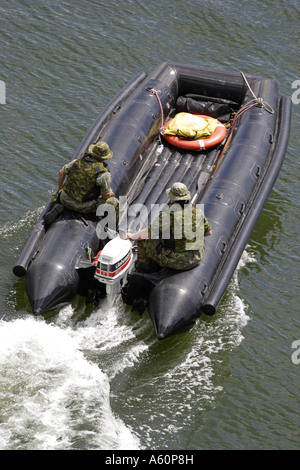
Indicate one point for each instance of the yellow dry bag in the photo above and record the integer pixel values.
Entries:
(191, 126)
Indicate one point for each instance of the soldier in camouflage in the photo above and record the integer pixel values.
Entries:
(176, 238)
(88, 182)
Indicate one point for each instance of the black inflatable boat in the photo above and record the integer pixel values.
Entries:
(231, 175)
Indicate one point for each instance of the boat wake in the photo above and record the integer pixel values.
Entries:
(54, 395)
(188, 378)
(56, 377)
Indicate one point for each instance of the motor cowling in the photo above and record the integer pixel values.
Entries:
(113, 264)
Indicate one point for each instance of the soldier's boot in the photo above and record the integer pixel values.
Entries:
(53, 213)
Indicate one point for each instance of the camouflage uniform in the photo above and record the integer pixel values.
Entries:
(179, 235)
(88, 180)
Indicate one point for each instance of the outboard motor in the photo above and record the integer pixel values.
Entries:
(113, 265)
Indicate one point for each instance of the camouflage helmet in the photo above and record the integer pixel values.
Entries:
(178, 192)
(100, 150)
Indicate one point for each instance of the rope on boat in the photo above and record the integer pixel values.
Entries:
(254, 102)
(257, 101)
(88, 250)
(161, 125)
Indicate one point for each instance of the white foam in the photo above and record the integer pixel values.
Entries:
(54, 386)
(52, 396)
(10, 228)
(106, 332)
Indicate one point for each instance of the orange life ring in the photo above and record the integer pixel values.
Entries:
(197, 144)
